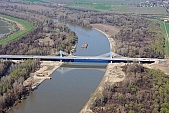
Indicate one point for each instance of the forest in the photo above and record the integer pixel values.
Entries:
(143, 91)
(12, 89)
(47, 38)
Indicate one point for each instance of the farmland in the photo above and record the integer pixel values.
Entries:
(117, 6)
(138, 10)
(91, 6)
(27, 28)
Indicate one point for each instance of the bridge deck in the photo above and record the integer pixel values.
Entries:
(78, 58)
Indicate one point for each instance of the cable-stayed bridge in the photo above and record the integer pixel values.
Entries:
(64, 57)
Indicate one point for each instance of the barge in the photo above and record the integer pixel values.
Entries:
(84, 46)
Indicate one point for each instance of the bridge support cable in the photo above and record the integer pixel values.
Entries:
(61, 53)
(110, 54)
(104, 55)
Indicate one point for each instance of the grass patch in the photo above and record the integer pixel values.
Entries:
(28, 27)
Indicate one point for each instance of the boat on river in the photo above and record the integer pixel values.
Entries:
(84, 46)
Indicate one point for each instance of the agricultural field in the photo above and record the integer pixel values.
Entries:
(27, 28)
(91, 6)
(138, 10)
(49, 1)
(105, 2)
(109, 1)
(119, 6)
(35, 1)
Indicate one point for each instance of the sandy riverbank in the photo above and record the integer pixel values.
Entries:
(113, 74)
(47, 68)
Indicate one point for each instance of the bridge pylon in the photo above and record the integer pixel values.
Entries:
(60, 52)
(111, 55)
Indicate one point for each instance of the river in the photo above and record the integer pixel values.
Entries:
(70, 88)
(4, 28)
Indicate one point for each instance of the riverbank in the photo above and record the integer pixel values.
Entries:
(109, 32)
(112, 75)
(36, 78)
(20, 26)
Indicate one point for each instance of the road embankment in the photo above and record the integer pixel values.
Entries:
(47, 68)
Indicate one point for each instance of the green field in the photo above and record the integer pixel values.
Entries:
(119, 8)
(109, 2)
(28, 27)
(116, 6)
(165, 31)
(42, 1)
(138, 10)
(91, 6)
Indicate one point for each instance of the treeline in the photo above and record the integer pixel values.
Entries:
(11, 87)
(47, 38)
(4, 67)
(143, 91)
(141, 40)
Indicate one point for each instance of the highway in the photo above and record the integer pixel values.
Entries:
(98, 59)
